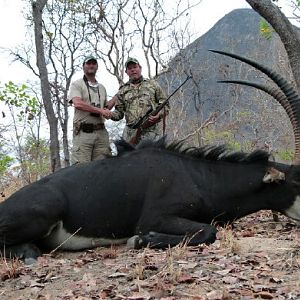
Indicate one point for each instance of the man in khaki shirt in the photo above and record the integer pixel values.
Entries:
(88, 96)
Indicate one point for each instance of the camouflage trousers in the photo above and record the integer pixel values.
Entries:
(153, 133)
(90, 146)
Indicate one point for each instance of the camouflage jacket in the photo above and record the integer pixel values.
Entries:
(134, 101)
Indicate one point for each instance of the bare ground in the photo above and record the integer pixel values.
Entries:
(257, 259)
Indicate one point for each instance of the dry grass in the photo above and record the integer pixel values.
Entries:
(228, 240)
(140, 267)
(111, 252)
(171, 271)
(292, 259)
(181, 250)
(10, 268)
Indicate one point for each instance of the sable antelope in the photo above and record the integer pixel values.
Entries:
(153, 194)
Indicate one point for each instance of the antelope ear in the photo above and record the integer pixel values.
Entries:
(273, 175)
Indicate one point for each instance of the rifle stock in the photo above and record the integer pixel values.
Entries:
(136, 138)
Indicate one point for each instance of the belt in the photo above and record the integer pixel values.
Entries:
(89, 127)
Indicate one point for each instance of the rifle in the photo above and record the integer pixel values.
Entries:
(143, 120)
(143, 123)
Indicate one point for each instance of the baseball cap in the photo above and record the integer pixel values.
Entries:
(131, 60)
(88, 58)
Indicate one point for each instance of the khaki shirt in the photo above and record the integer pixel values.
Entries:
(98, 98)
(134, 101)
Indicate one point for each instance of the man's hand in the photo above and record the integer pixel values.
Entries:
(83, 105)
(154, 119)
(106, 113)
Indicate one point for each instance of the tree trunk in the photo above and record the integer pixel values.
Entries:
(37, 12)
(64, 127)
(286, 31)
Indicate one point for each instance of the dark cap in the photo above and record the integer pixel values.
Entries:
(88, 58)
(131, 60)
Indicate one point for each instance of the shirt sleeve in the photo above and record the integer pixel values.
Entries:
(118, 113)
(105, 97)
(74, 91)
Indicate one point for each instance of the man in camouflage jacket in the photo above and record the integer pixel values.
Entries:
(135, 98)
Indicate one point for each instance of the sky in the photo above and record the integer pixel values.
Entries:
(208, 13)
(13, 31)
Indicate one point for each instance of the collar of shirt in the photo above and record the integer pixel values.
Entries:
(93, 85)
(137, 81)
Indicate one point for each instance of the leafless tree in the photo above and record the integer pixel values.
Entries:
(62, 28)
(37, 14)
(121, 27)
(288, 33)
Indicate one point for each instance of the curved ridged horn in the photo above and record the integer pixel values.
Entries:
(288, 90)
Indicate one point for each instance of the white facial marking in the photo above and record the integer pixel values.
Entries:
(70, 241)
(294, 211)
(273, 175)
